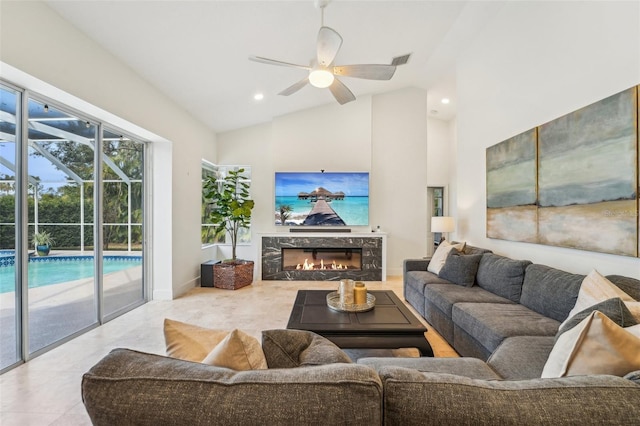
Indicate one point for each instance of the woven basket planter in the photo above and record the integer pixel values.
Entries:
(233, 275)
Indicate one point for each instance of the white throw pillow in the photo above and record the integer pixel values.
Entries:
(597, 345)
(595, 289)
(238, 351)
(440, 256)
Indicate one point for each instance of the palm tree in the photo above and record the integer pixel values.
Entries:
(285, 213)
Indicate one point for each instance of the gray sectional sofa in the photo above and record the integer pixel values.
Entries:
(509, 317)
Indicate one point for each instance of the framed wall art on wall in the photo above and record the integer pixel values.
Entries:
(572, 182)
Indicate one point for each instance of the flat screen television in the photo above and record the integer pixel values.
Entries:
(322, 199)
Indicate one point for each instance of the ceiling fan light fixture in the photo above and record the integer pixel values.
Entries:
(320, 78)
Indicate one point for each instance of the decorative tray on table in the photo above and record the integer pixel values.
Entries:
(333, 301)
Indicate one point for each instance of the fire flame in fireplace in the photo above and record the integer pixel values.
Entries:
(306, 266)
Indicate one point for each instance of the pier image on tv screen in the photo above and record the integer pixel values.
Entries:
(322, 199)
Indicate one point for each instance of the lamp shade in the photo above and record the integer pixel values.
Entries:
(442, 224)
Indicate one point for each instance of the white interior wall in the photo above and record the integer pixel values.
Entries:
(383, 134)
(46, 54)
(336, 138)
(251, 146)
(399, 174)
(453, 169)
(538, 61)
(439, 150)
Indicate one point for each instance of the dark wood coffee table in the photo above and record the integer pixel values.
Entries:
(390, 325)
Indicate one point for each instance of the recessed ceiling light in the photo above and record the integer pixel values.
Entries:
(258, 96)
(445, 100)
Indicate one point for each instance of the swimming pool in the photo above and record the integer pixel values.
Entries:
(50, 270)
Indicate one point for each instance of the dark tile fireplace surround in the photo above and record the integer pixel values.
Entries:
(366, 249)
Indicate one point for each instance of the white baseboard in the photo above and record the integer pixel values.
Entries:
(162, 295)
(177, 292)
(394, 272)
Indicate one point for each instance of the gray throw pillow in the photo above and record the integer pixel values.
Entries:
(299, 348)
(501, 275)
(460, 268)
(614, 309)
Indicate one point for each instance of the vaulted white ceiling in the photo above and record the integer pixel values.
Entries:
(196, 52)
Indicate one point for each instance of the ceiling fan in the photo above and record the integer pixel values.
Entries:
(322, 71)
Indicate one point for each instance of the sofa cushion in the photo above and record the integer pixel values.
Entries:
(615, 309)
(444, 296)
(417, 280)
(490, 323)
(415, 398)
(501, 275)
(128, 387)
(473, 368)
(595, 346)
(299, 348)
(549, 291)
(460, 268)
(521, 357)
(438, 320)
(474, 250)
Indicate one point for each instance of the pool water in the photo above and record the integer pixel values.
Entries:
(48, 271)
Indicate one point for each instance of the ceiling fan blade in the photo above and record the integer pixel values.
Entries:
(329, 42)
(401, 60)
(294, 87)
(369, 72)
(274, 62)
(341, 92)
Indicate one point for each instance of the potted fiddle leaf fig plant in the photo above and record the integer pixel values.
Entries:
(42, 242)
(231, 212)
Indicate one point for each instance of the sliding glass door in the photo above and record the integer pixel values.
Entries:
(9, 303)
(72, 224)
(123, 213)
(62, 296)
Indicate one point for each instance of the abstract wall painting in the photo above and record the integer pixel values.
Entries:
(511, 189)
(586, 180)
(588, 176)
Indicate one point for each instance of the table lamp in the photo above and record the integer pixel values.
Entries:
(442, 224)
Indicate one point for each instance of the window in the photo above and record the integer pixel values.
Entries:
(208, 233)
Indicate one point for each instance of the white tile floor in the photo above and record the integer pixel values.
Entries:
(46, 390)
